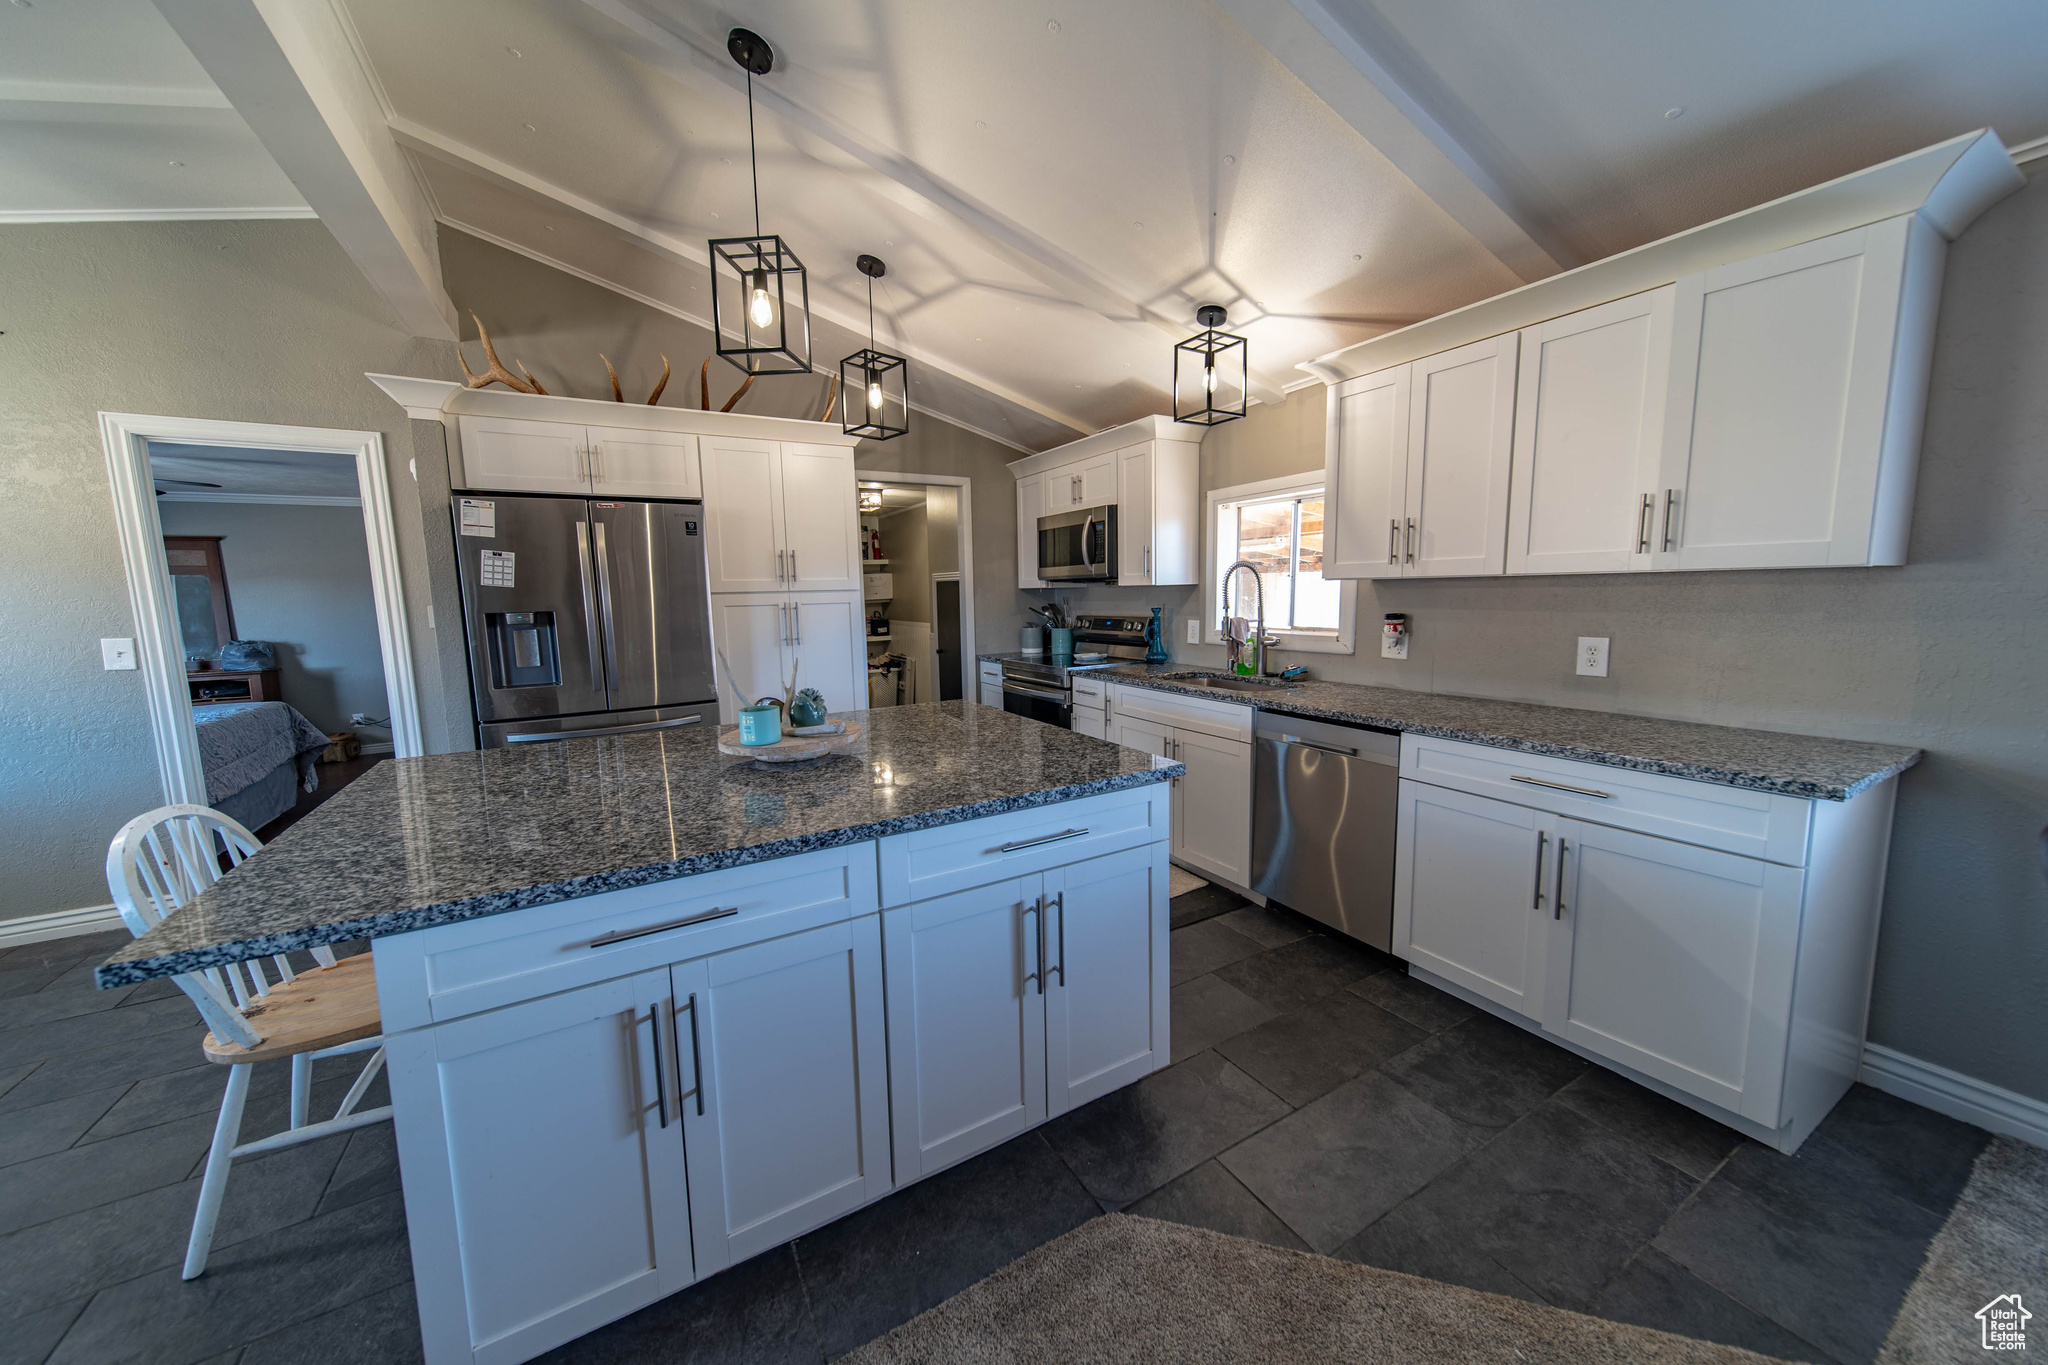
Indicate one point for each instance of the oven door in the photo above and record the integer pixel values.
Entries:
(1053, 705)
(1078, 547)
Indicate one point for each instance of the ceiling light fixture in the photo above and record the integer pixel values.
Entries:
(1218, 375)
(760, 295)
(874, 386)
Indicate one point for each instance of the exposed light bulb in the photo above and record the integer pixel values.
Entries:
(874, 389)
(1209, 373)
(762, 308)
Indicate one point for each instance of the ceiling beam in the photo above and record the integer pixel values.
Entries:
(684, 250)
(290, 71)
(1326, 56)
(900, 179)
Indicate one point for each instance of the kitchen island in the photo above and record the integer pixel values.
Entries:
(650, 1010)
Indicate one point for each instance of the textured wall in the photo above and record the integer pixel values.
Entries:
(300, 577)
(247, 321)
(1949, 652)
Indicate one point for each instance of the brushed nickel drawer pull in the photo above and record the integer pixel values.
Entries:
(1542, 839)
(660, 1068)
(1562, 787)
(620, 936)
(1034, 843)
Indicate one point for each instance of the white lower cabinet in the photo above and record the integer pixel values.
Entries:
(989, 679)
(1471, 887)
(1212, 804)
(1105, 995)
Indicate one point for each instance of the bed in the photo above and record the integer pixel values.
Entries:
(258, 755)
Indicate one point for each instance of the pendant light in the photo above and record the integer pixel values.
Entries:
(874, 386)
(760, 296)
(1217, 372)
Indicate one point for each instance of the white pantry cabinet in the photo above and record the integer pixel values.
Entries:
(759, 637)
(518, 455)
(780, 516)
(1735, 981)
(1212, 804)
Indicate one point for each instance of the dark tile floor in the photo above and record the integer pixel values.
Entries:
(1319, 1099)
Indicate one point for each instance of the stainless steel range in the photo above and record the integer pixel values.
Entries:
(1041, 686)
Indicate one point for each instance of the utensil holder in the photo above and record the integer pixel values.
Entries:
(1062, 641)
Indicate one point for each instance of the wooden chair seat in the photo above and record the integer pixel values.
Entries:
(319, 1009)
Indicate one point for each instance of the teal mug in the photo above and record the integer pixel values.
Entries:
(761, 723)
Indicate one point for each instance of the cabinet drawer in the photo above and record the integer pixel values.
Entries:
(452, 970)
(1224, 720)
(1754, 824)
(935, 862)
(1090, 692)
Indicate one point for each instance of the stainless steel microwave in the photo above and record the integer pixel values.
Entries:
(1078, 546)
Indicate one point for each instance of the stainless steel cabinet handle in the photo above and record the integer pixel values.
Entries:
(596, 464)
(1670, 506)
(1562, 787)
(1542, 839)
(1032, 977)
(792, 566)
(1411, 540)
(784, 607)
(1557, 900)
(622, 935)
(1148, 559)
(1644, 519)
(1020, 846)
(1044, 966)
(604, 597)
(696, 1057)
(778, 567)
(660, 1070)
(1060, 941)
(797, 614)
(582, 465)
(1394, 540)
(589, 605)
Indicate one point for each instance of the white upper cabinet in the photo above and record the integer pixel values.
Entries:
(821, 516)
(643, 464)
(1589, 431)
(1366, 475)
(519, 456)
(1460, 446)
(1030, 507)
(1134, 515)
(1148, 472)
(1088, 482)
(779, 515)
(1798, 378)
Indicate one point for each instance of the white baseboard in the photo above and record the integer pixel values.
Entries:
(1954, 1094)
(86, 919)
(385, 748)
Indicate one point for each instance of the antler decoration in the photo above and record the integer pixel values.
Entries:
(831, 396)
(495, 373)
(738, 393)
(704, 387)
(660, 386)
(617, 397)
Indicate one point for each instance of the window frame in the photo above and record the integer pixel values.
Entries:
(1345, 639)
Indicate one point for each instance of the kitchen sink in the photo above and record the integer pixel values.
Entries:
(1224, 682)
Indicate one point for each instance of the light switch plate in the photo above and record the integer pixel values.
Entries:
(1194, 630)
(1593, 656)
(117, 655)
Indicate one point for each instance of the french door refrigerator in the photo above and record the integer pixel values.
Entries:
(585, 616)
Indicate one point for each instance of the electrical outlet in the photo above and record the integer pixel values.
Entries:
(1393, 646)
(1194, 630)
(1593, 656)
(117, 655)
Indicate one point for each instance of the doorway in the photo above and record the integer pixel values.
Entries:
(917, 571)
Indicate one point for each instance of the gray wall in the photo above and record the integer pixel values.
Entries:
(247, 321)
(1949, 653)
(906, 541)
(557, 324)
(300, 578)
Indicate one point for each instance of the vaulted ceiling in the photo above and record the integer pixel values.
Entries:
(1055, 187)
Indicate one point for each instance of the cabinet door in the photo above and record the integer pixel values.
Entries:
(743, 514)
(1098, 480)
(1090, 721)
(1063, 488)
(544, 1184)
(1031, 505)
(1213, 822)
(749, 640)
(1134, 515)
(1106, 959)
(784, 1087)
(1365, 476)
(524, 457)
(1473, 884)
(1589, 431)
(1676, 961)
(990, 678)
(828, 647)
(821, 516)
(643, 464)
(966, 1023)
(1780, 374)
(1460, 452)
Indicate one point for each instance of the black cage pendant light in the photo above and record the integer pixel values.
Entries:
(1211, 371)
(874, 386)
(760, 296)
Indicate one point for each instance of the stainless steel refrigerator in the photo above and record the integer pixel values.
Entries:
(585, 616)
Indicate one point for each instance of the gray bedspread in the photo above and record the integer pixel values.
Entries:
(241, 742)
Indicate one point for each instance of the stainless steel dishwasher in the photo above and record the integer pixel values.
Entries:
(1323, 814)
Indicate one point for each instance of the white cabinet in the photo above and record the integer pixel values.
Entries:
(1030, 507)
(1107, 976)
(535, 1136)
(1471, 892)
(517, 455)
(783, 1087)
(1798, 378)
(1091, 707)
(1212, 803)
(759, 637)
(1365, 475)
(989, 677)
(1086, 482)
(643, 464)
(821, 517)
(779, 514)
(1589, 432)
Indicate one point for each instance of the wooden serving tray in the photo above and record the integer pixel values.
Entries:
(791, 748)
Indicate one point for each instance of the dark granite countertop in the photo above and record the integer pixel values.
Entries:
(423, 841)
(1758, 760)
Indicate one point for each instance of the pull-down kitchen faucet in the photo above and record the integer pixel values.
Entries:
(1234, 645)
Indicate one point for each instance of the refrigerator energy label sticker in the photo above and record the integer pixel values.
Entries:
(480, 518)
(497, 569)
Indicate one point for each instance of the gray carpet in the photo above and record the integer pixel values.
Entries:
(1125, 1289)
(1995, 1242)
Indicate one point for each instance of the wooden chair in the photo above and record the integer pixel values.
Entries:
(156, 865)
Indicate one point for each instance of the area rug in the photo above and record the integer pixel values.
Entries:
(1124, 1289)
(1993, 1248)
(1180, 881)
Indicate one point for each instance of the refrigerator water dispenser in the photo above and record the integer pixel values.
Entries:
(522, 649)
